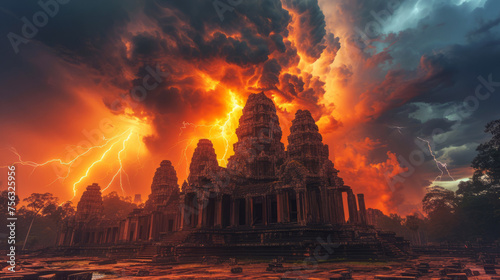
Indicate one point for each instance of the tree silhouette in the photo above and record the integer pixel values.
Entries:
(413, 222)
(487, 161)
(438, 199)
(117, 207)
(473, 212)
(37, 203)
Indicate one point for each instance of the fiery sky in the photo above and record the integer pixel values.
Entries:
(102, 91)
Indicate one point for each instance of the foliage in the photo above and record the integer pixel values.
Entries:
(45, 216)
(473, 212)
(38, 202)
(487, 161)
(438, 200)
(117, 207)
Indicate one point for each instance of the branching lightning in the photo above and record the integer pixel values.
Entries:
(120, 170)
(220, 129)
(440, 165)
(102, 152)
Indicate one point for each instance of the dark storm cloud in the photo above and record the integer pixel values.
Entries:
(484, 28)
(81, 32)
(270, 74)
(460, 155)
(147, 45)
(94, 34)
(332, 44)
(312, 22)
(254, 21)
(291, 84)
(429, 127)
(35, 80)
(448, 48)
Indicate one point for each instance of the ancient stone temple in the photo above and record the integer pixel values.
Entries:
(259, 151)
(164, 189)
(89, 226)
(90, 205)
(267, 201)
(263, 185)
(161, 211)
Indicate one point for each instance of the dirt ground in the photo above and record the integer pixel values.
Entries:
(143, 269)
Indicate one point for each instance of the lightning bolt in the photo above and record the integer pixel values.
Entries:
(69, 163)
(109, 145)
(220, 129)
(120, 170)
(439, 164)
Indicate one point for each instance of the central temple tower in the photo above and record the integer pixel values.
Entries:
(259, 152)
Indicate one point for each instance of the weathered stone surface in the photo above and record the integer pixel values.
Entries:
(259, 152)
(204, 167)
(305, 143)
(90, 205)
(164, 188)
(262, 191)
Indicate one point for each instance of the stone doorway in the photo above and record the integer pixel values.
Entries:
(226, 211)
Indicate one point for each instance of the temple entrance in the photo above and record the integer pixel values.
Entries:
(226, 211)
(191, 210)
(131, 234)
(170, 225)
(292, 198)
(241, 211)
(257, 211)
(210, 218)
(272, 209)
(77, 237)
(315, 205)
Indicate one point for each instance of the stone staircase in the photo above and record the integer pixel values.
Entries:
(389, 247)
(148, 251)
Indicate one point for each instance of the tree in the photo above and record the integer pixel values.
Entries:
(487, 161)
(479, 198)
(438, 199)
(473, 212)
(38, 202)
(59, 213)
(117, 207)
(440, 206)
(413, 222)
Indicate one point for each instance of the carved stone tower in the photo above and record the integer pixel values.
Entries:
(259, 151)
(164, 186)
(90, 205)
(305, 143)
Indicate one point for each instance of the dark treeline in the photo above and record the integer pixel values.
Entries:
(46, 215)
(470, 214)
